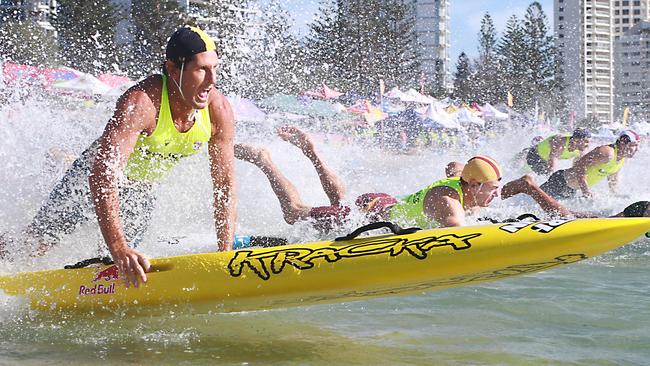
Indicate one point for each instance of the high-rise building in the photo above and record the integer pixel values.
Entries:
(432, 29)
(584, 39)
(42, 11)
(628, 13)
(585, 33)
(633, 72)
(201, 11)
(244, 17)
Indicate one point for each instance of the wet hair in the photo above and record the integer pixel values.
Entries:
(581, 133)
(637, 209)
(628, 136)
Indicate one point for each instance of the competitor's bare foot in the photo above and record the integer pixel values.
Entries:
(252, 154)
(520, 185)
(296, 137)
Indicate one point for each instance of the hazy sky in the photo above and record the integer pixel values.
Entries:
(465, 19)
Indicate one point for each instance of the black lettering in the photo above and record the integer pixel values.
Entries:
(254, 262)
(304, 258)
(294, 257)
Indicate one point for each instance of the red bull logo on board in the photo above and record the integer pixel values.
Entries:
(108, 274)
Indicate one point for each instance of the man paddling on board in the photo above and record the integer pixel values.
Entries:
(443, 203)
(543, 157)
(602, 162)
(156, 123)
(636, 209)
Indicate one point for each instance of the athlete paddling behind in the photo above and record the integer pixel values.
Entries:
(543, 157)
(602, 162)
(443, 203)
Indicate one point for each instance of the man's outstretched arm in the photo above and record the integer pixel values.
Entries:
(115, 146)
(222, 170)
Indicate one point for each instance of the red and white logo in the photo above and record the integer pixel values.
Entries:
(108, 274)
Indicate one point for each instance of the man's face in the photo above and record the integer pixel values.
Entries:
(629, 148)
(485, 192)
(580, 144)
(199, 77)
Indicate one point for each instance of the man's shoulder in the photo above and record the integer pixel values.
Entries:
(558, 140)
(604, 150)
(139, 104)
(220, 107)
(217, 99)
(151, 85)
(443, 194)
(144, 94)
(597, 155)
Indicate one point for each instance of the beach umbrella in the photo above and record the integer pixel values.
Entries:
(451, 109)
(115, 81)
(65, 73)
(299, 105)
(374, 115)
(465, 116)
(395, 93)
(118, 91)
(413, 96)
(84, 84)
(436, 116)
(359, 107)
(490, 112)
(45, 77)
(324, 92)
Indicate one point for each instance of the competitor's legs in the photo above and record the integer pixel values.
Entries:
(527, 185)
(332, 185)
(68, 206)
(293, 208)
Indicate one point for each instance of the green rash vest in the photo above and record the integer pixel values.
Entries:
(599, 172)
(410, 209)
(154, 155)
(544, 149)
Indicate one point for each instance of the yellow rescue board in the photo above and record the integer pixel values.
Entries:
(330, 271)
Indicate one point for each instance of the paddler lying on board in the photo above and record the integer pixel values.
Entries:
(604, 161)
(543, 157)
(156, 123)
(446, 202)
(637, 209)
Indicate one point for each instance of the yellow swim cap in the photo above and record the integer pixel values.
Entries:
(481, 168)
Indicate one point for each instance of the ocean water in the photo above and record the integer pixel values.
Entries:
(591, 313)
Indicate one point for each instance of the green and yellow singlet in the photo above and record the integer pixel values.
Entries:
(156, 154)
(410, 209)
